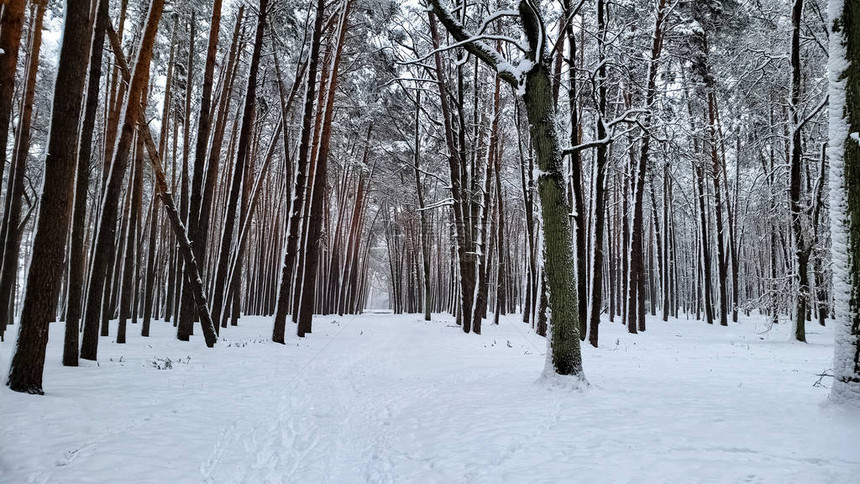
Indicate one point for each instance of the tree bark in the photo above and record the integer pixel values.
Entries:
(248, 114)
(309, 287)
(52, 224)
(844, 92)
(104, 246)
(11, 24)
(17, 172)
(283, 304)
(800, 250)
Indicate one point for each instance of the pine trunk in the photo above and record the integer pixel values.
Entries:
(52, 224)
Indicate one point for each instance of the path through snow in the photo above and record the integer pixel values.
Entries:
(382, 398)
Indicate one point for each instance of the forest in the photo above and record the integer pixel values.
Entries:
(582, 175)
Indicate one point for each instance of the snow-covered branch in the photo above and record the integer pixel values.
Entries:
(474, 45)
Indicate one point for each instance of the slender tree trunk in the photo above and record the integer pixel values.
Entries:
(425, 225)
(131, 245)
(722, 271)
(484, 247)
(151, 255)
(11, 24)
(238, 172)
(203, 128)
(185, 306)
(455, 165)
(283, 304)
(104, 246)
(599, 195)
(636, 280)
(208, 196)
(17, 172)
(308, 289)
(801, 252)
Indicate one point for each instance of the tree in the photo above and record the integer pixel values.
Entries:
(601, 158)
(77, 255)
(239, 169)
(11, 23)
(317, 191)
(801, 254)
(283, 303)
(844, 70)
(636, 283)
(533, 77)
(52, 224)
(17, 172)
(104, 248)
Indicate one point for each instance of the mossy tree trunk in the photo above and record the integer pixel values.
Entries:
(538, 98)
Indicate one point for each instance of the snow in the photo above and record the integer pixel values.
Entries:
(384, 398)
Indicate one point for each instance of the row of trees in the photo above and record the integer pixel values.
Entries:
(193, 185)
(659, 156)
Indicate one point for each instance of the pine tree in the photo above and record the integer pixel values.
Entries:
(52, 224)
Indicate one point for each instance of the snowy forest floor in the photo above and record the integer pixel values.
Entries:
(383, 398)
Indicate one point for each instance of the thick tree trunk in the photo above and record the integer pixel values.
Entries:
(845, 197)
(52, 224)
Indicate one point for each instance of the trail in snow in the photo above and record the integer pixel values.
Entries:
(383, 398)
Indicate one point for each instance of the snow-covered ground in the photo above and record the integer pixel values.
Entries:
(382, 398)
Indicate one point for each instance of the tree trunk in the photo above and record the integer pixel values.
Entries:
(283, 304)
(425, 225)
(248, 114)
(845, 197)
(309, 287)
(131, 245)
(11, 24)
(106, 232)
(185, 249)
(722, 272)
(599, 192)
(800, 249)
(52, 226)
(17, 172)
(460, 206)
